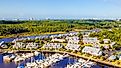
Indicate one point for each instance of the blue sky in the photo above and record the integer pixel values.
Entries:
(60, 8)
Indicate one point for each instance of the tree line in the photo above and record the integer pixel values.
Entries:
(42, 26)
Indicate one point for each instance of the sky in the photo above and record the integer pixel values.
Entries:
(60, 9)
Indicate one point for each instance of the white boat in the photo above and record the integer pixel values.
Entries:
(12, 57)
(36, 53)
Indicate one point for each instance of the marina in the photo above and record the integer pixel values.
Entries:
(60, 34)
(23, 54)
(43, 59)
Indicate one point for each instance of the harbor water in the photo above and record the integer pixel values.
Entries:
(61, 64)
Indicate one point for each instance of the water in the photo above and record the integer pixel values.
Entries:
(39, 57)
(13, 65)
(6, 40)
(61, 64)
(6, 65)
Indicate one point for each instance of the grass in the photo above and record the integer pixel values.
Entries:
(104, 44)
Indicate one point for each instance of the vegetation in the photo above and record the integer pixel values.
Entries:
(113, 34)
(44, 26)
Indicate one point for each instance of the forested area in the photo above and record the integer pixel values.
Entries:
(113, 34)
(43, 26)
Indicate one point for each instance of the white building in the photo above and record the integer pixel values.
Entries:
(73, 43)
(90, 40)
(106, 41)
(73, 33)
(73, 47)
(112, 44)
(18, 45)
(92, 50)
(58, 40)
(31, 45)
(112, 57)
(53, 45)
(73, 40)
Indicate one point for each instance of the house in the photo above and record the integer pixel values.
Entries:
(53, 45)
(96, 30)
(73, 47)
(73, 43)
(112, 57)
(58, 40)
(106, 41)
(92, 50)
(54, 36)
(112, 44)
(73, 33)
(85, 36)
(31, 45)
(106, 46)
(18, 45)
(86, 32)
(90, 40)
(73, 40)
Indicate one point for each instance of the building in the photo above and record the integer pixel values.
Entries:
(73, 40)
(112, 44)
(18, 45)
(73, 33)
(86, 32)
(58, 40)
(96, 30)
(73, 47)
(92, 51)
(73, 43)
(112, 57)
(90, 40)
(31, 45)
(53, 45)
(106, 41)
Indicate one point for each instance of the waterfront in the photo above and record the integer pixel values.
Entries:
(61, 64)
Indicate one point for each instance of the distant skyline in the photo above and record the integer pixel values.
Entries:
(60, 9)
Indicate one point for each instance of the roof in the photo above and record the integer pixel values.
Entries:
(113, 57)
(91, 50)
